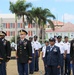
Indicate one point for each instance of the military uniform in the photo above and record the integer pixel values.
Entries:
(43, 56)
(5, 53)
(52, 59)
(24, 54)
(32, 64)
(72, 54)
(67, 56)
(37, 47)
(62, 50)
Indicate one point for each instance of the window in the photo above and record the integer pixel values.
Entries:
(4, 25)
(11, 25)
(34, 33)
(18, 25)
(33, 25)
(12, 33)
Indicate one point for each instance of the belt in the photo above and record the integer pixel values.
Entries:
(36, 50)
(68, 54)
(61, 54)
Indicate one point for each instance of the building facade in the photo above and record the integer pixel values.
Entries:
(66, 30)
(7, 24)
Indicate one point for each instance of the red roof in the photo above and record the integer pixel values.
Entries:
(59, 23)
(68, 27)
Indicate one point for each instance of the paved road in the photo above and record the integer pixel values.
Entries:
(12, 67)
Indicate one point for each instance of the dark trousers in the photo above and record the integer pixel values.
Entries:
(73, 68)
(31, 65)
(45, 68)
(36, 61)
(22, 68)
(61, 71)
(67, 65)
(3, 68)
(52, 70)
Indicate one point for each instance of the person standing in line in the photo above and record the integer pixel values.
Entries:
(23, 53)
(52, 58)
(67, 56)
(5, 52)
(31, 65)
(60, 44)
(72, 54)
(37, 47)
(43, 55)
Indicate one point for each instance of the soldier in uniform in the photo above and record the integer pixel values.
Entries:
(37, 47)
(60, 44)
(52, 58)
(5, 53)
(67, 56)
(31, 65)
(72, 54)
(23, 53)
(43, 55)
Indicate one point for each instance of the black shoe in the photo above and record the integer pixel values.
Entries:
(36, 70)
(31, 72)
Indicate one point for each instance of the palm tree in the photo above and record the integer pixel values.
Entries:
(20, 8)
(33, 12)
(44, 17)
(41, 17)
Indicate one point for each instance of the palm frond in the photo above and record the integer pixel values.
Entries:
(51, 24)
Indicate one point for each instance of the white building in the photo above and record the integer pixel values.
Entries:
(7, 24)
(66, 30)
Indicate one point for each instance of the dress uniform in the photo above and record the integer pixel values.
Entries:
(72, 54)
(5, 53)
(37, 47)
(43, 55)
(60, 44)
(31, 65)
(52, 58)
(67, 56)
(23, 53)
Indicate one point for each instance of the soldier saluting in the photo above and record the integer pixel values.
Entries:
(5, 52)
(23, 53)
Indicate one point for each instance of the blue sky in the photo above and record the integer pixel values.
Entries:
(62, 9)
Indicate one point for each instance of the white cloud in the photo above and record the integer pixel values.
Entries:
(68, 17)
(64, 0)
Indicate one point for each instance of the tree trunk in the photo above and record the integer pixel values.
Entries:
(43, 34)
(23, 22)
(15, 28)
(36, 29)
